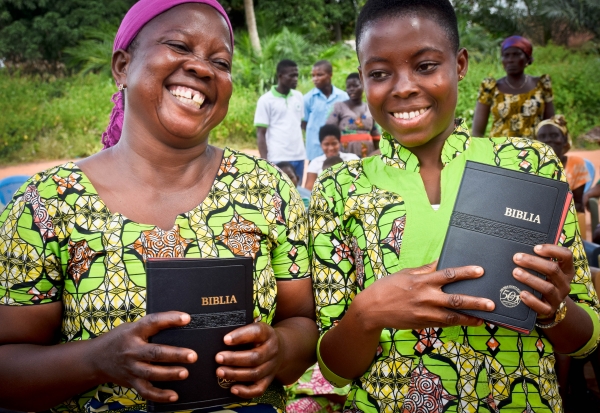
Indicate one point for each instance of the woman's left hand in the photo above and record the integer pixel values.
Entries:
(555, 288)
(255, 367)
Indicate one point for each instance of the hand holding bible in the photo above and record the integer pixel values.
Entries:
(558, 270)
(126, 358)
(413, 299)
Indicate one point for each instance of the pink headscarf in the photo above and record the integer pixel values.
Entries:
(135, 19)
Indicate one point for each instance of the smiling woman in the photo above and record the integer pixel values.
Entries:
(73, 329)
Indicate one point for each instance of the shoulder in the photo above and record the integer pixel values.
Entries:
(238, 163)
(338, 181)
(297, 94)
(489, 83)
(57, 180)
(527, 155)
(265, 99)
(349, 156)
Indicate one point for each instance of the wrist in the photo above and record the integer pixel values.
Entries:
(361, 311)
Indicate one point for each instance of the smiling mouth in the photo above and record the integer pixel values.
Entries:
(410, 115)
(187, 96)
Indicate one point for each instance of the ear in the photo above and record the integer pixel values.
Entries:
(119, 66)
(462, 63)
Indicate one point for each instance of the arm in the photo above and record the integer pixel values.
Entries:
(311, 177)
(261, 140)
(29, 349)
(594, 192)
(480, 119)
(549, 110)
(578, 198)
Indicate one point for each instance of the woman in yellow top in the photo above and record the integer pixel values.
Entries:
(518, 101)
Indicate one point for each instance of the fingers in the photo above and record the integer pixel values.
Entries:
(147, 391)
(157, 353)
(150, 372)
(153, 323)
(252, 333)
(543, 308)
(252, 390)
(559, 269)
(425, 269)
(449, 275)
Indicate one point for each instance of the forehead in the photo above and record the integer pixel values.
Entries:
(330, 137)
(190, 19)
(353, 80)
(549, 129)
(320, 69)
(403, 36)
(513, 50)
(289, 69)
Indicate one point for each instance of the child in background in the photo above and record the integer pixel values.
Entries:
(329, 137)
(288, 169)
(331, 161)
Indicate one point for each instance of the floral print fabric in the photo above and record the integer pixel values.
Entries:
(359, 233)
(515, 115)
(59, 242)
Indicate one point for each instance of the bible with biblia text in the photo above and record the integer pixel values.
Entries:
(217, 294)
(498, 213)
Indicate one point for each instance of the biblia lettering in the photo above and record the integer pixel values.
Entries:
(217, 300)
(525, 216)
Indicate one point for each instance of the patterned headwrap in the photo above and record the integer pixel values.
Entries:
(135, 19)
(561, 123)
(520, 43)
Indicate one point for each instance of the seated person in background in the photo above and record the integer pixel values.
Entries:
(329, 137)
(288, 169)
(554, 133)
(331, 161)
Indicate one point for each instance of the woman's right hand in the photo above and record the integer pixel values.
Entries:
(413, 299)
(125, 357)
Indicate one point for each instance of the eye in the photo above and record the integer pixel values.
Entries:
(178, 47)
(427, 67)
(378, 75)
(223, 64)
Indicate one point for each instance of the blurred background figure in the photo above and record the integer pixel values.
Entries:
(518, 101)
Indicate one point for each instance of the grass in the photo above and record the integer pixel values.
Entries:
(65, 118)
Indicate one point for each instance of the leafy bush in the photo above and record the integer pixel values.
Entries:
(65, 118)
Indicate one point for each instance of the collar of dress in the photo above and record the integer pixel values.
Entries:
(396, 155)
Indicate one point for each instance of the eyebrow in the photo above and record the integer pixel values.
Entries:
(182, 31)
(379, 59)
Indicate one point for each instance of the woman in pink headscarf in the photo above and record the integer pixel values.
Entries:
(518, 101)
(73, 325)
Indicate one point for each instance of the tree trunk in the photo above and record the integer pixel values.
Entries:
(251, 23)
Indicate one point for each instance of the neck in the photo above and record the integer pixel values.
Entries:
(430, 153)
(284, 90)
(355, 102)
(158, 165)
(327, 90)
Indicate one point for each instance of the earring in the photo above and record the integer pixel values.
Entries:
(461, 77)
(121, 87)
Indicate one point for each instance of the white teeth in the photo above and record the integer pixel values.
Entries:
(188, 96)
(409, 115)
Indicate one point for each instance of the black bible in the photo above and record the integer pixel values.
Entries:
(498, 213)
(217, 293)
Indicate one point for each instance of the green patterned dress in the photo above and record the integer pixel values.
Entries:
(371, 218)
(59, 242)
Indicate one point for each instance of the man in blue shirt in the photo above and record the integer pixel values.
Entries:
(317, 105)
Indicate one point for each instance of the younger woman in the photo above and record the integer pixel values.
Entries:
(377, 227)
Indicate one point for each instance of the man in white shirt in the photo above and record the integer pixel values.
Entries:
(278, 119)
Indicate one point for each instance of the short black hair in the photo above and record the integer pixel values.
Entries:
(329, 130)
(285, 164)
(439, 10)
(284, 64)
(325, 64)
(353, 75)
(332, 160)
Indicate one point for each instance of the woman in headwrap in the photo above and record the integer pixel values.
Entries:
(75, 237)
(518, 101)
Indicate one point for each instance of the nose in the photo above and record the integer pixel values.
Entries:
(405, 86)
(199, 67)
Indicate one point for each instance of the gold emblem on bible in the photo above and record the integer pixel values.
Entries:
(225, 383)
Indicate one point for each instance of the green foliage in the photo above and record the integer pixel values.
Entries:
(94, 54)
(65, 118)
(38, 30)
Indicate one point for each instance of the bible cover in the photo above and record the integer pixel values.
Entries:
(217, 293)
(498, 213)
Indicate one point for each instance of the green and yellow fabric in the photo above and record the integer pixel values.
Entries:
(59, 242)
(371, 218)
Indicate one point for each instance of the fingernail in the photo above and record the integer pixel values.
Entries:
(518, 257)
(173, 398)
(220, 358)
(489, 306)
(191, 357)
(182, 374)
(538, 248)
(220, 373)
(185, 318)
(235, 391)
(478, 270)
(227, 339)
(518, 271)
